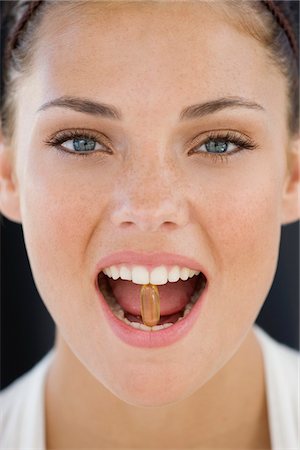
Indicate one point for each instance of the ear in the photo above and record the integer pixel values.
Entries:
(291, 193)
(9, 194)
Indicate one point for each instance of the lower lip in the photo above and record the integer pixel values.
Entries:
(152, 339)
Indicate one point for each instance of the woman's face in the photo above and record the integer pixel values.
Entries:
(155, 189)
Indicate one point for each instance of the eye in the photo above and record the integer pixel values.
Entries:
(80, 142)
(217, 146)
(220, 144)
(82, 145)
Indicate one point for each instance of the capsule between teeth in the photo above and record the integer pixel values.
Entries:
(150, 305)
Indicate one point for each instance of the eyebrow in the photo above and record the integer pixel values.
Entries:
(202, 109)
(196, 111)
(83, 105)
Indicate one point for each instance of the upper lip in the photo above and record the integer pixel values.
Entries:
(149, 260)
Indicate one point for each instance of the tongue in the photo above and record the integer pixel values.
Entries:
(173, 296)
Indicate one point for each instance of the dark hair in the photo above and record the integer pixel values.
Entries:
(281, 38)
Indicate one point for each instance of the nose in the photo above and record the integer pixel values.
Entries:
(150, 201)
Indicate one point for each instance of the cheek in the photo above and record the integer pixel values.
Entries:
(61, 206)
(239, 208)
(246, 224)
(238, 217)
(241, 220)
(248, 246)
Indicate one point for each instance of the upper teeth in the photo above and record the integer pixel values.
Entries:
(141, 275)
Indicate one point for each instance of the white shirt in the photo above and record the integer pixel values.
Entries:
(22, 423)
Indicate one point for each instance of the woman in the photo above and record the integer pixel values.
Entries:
(153, 144)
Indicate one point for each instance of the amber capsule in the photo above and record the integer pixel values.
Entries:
(150, 305)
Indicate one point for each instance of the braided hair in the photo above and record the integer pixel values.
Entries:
(286, 14)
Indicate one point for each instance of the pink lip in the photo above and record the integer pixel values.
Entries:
(150, 339)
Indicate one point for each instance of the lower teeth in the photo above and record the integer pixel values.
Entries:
(119, 312)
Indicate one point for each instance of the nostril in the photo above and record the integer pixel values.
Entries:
(126, 224)
(170, 225)
(147, 224)
(151, 215)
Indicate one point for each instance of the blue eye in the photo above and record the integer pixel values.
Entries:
(83, 145)
(80, 142)
(214, 146)
(217, 147)
(218, 144)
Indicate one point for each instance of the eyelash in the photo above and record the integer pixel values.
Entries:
(63, 136)
(229, 137)
(242, 143)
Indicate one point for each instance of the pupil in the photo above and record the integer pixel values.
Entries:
(216, 146)
(82, 145)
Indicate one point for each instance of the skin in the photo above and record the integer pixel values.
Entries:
(227, 215)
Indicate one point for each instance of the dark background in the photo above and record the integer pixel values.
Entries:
(27, 330)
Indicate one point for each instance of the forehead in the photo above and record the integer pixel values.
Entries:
(177, 51)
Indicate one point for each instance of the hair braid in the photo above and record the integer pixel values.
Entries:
(30, 8)
(277, 11)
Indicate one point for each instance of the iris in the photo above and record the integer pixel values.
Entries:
(216, 146)
(82, 145)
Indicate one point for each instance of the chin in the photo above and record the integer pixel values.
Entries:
(151, 398)
(151, 390)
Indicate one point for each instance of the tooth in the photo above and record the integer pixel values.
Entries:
(186, 312)
(107, 272)
(188, 309)
(192, 273)
(184, 273)
(119, 314)
(115, 272)
(135, 324)
(157, 327)
(111, 300)
(144, 327)
(174, 274)
(125, 273)
(161, 327)
(140, 275)
(159, 275)
(194, 297)
(195, 272)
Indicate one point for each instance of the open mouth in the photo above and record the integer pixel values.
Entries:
(179, 289)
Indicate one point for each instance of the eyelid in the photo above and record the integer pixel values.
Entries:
(63, 135)
(215, 133)
(241, 142)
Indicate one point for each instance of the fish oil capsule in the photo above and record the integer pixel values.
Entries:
(150, 305)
